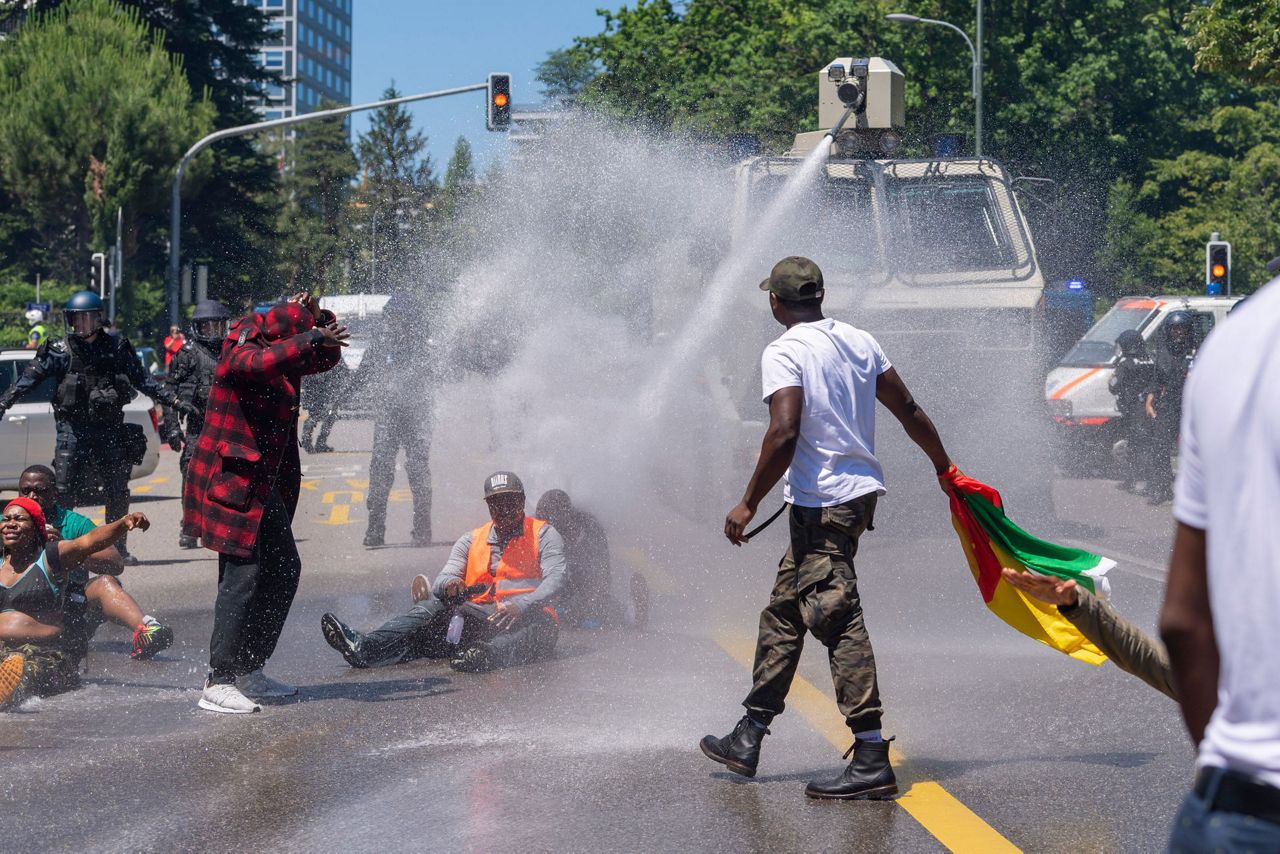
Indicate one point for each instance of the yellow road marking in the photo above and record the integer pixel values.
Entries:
(402, 494)
(339, 514)
(353, 497)
(950, 822)
(358, 484)
(311, 484)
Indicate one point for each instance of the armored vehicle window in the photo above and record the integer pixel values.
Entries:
(947, 225)
(834, 225)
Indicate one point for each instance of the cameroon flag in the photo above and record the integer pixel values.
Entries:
(991, 541)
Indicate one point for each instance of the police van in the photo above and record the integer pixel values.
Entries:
(1077, 390)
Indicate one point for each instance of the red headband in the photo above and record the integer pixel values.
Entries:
(37, 514)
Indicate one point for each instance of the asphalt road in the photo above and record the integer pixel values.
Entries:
(1001, 742)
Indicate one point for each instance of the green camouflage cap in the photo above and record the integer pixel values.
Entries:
(794, 278)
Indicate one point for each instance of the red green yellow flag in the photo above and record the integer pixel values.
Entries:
(992, 542)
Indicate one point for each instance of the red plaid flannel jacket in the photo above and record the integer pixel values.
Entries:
(249, 445)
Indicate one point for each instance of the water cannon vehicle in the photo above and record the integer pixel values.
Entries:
(931, 254)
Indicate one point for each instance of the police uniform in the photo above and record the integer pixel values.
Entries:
(1171, 370)
(1134, 379)
(93, 380)
(189, 379)
(403, 419)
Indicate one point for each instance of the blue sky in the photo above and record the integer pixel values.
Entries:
(437, 44)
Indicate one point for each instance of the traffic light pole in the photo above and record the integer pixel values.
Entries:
(175, 208)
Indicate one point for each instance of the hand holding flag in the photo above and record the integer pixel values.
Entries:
(993, 543)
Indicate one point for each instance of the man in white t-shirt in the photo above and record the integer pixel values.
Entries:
(1221, 616)
(822, 379)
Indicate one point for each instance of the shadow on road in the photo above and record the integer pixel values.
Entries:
(383, 691)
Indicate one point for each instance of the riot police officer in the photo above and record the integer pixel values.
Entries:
(189, 379)
(1134, 378)
(95, 375)
(395, 374)
(1164, 402)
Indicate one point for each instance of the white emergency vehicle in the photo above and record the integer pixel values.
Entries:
(1077, 390)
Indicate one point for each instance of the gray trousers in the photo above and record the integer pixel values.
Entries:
(420, 633)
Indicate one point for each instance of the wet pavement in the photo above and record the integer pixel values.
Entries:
(1001, 741)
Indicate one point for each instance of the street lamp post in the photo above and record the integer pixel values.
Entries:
(975, 52)
(175, 209)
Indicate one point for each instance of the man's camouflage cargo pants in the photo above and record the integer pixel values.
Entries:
(817, 591)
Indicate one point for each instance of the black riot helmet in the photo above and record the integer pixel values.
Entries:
(1130, 343)
(1179, 332)
(84, 314)
(209, 322)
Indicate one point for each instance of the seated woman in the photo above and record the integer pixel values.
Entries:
(33, 582)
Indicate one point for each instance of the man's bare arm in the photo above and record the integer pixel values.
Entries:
(1186, 625)
(776, 451)
(893, 394)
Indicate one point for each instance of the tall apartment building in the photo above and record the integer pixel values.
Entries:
(311, 52)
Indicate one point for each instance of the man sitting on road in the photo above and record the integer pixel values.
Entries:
(490, 607)
(91, 601)
(587, 600)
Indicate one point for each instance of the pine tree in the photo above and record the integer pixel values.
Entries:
(398, 191)
(230, 202)
(459, 179)
(315, 224)
(94, 110)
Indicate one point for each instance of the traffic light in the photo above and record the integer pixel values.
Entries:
(498, 107)
(98, 273)
(1217, 267)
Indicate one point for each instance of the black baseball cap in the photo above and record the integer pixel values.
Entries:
(500, 483)
(794, 278)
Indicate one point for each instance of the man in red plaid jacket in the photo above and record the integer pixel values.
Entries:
(242, 489)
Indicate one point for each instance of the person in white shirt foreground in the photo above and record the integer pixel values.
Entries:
(1221, 616)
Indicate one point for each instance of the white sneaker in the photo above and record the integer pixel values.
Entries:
(260, 685)
(226, 699)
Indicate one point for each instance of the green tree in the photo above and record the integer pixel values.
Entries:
(94, 111)
(459, 178)
(315, 226)
(230, 204)
(1086, 92)
(565, 73)
(398, 189)
(1237, 36)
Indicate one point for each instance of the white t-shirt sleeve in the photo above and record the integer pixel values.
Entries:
(878, 358)
(1190, 502)
(779, 369)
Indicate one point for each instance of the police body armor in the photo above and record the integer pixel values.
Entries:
(93, 389)
(1135, 377)
(194, 389)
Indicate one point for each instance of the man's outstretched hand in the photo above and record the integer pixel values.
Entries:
(736, 523)
(1055, 591)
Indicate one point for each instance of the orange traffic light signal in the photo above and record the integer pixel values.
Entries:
(1217, 264)
(498, 107)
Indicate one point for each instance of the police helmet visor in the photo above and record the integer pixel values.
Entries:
(84, 323)
(211, 330)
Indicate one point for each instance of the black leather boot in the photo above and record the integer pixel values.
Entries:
(869, 776)
(739, 751)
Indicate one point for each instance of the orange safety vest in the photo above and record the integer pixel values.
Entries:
(518, 570)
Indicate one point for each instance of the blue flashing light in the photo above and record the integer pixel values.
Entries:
(1075, 285)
